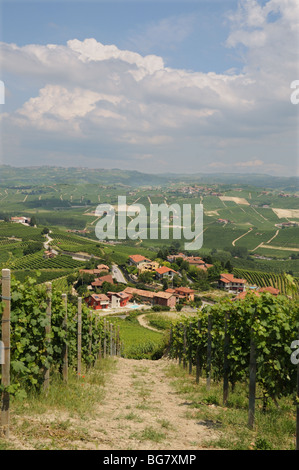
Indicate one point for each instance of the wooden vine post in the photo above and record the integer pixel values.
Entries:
(5, 381)
(48, 331)
(225, 360)
(105, 339)
(209, 351)
(185, 348)
(65, 347)
(79, 337)
(198, 361)
(190, 350)
(180, 350)
(252, 383)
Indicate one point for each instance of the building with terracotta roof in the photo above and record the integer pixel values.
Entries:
(145, 296)
(97, 301)
(151, 267)
(166, 299)
(164, 271)
(103, 267)
(118, 299)
(229, 283)
(136, 260)
(270, 289)
(185, 293)
(258, 292)
(98, 282)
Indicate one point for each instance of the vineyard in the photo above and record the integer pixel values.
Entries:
(245, 342)
(37, 261)
(264, 279)
(46, 335)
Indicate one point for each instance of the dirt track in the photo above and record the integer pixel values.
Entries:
(141, 411)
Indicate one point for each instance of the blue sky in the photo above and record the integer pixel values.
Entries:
(156, 86)
(187, 34)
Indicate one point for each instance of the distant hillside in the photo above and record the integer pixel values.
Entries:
(28, 176)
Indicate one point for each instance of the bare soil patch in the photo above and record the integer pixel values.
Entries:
(141, 411)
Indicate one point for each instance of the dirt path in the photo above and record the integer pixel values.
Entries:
(143, 412)
(234, 241)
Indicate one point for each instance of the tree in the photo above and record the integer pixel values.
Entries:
(228, 266)
(32, 222)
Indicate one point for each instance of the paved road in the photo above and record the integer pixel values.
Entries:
(118, 275)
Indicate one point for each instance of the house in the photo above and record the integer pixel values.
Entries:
(144, 295)
(21, 220)
(173, 258)
(103, 267)
(258, 292)
(195, 260)
(270, 289)
(148, 267)
(136, 260)
(97, 301)
(229, 283)
(165, 272)
(91, 271)
(185, 293)
(98, 282)
(118, 299)
(48, 254)
(166, 299)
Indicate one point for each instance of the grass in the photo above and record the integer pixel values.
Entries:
(149, 434)
(139, 342)
(44, 421)
(274, 429)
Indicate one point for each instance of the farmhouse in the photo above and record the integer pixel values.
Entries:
(229, 283)
(148, 267)
(21, 220)
(48, 254)
(185, 293)
(136, 260)
(166, 299)
(173, 258)
(97, 301)
(98, 282)
(270, 289)
(144, 295)
(118, 299)
(258, 292)
(103, 267)
(195, 260)
(165, 272)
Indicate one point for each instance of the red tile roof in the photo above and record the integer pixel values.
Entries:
(186, 290)
(99, 297)
(164, 269)
(138, 258)
(163, 295)
(270, 289)
(227, 277)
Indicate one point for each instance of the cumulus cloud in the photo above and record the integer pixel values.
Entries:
(92, 96)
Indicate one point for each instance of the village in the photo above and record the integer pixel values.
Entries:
(160, 291)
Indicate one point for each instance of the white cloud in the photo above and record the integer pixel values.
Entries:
(125, 103)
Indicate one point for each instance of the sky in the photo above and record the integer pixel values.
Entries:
(198, 86)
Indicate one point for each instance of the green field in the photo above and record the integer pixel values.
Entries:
(65, 199)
